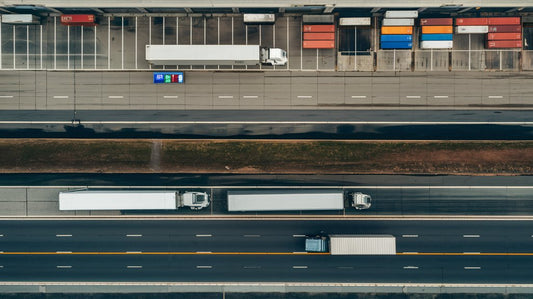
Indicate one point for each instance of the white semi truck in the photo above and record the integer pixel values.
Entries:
(352, 244)
(214, 55)
(294, 200)
(131, 200)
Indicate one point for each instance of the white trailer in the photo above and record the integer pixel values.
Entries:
(20, 19)
(352, 244)
(214, 55)
(285, 200)
(131, 200)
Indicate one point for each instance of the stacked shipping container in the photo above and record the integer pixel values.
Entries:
(501, 32)
(436, 33)
(318, 36)
(397, 29)
(78, 20)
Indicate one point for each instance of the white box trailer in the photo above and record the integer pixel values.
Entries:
(285, 200)
(214, 55)
(20, 19)
(352, 244)
(401, 14)
(130, 200)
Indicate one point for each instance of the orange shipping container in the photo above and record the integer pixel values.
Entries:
(319, 36)
(504, 36)
(499, 44)
(396, 30)
(437, 29)
(504, 21)
(319, 28)
(318, 44)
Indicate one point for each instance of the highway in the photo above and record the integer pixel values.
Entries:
(313, 124)
(232, 251)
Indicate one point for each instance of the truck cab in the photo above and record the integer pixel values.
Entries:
(195, 200)
(361, 201)
(273, 56)
(316, 244)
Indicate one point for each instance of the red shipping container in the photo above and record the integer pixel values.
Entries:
(509, 28)
(78, 20)
(504, 21)
(319, 36)
(319, 28)
(318, 44)
(471, 21)
(504, 36)
(501, 44)
(437, 22)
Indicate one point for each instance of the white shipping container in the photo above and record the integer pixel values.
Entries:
(354, 21)
(401, 14)
(117, 200)
(436, 44)
(471, 29)
(398, 22)
(362, 245)
(20, 19)
(285, 200)
(259, 18)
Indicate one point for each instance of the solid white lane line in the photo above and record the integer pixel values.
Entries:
(299, 267)
(115, 97)
(1, 267)
(6, 97)
(495, 97)
(410, 252)
(204, 252)
(299, 236)
(63, 251)
(472, 268)
(358, 97)
(134, 267)
(204, 236)
(440, 97)
(250, 97)
(413, 97)
(471, 252)
(60, 97)
(170, 97)
(410, 267)
(252, 236)
(3, 235)
(410, 236)
(139, 235)
(225, 97)
(299, 252)
(471, 236)
(63, 236)
(64, 267)
(204, 267)
(305, 97)
(133, 252)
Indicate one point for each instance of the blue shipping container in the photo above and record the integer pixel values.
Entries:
(439, 36)
(396, 45)
(396, 38)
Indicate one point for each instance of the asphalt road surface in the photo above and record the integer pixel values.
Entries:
(278, 124)
(428, 251)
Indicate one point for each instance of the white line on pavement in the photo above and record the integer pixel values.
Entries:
(410, 252)
(413, 97)
(250, 97)
(139, 235)
(204, 267)
(471, 236)
(472, 268)
(299, 236)
(358, 97)
(471, 252)
(299, 252)
(115, 97)
(60, 97)
(204, 252)
(410, 267)
(305, 97)
(225, 97)
(132, 252)
(299, 267)
(200, 236)
(495, 97)
(63, 251)
(440, 97)
(63, 236)
(6, 97)
(170, 97)
(64, 267)
(410, 236)
(134, 267)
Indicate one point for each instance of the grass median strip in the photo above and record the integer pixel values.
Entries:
(286, 156)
